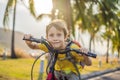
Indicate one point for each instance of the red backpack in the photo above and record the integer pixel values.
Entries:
(51, 76)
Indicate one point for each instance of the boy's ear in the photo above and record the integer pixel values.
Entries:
(46, 37)
(66, 38)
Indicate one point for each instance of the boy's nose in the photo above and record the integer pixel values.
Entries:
(55, 38)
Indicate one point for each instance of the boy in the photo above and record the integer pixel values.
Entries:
(57, 35)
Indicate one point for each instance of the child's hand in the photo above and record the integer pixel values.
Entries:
(27, 36)
(87, 60)
(84, 50)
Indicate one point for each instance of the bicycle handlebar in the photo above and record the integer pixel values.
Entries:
(90, 54)
(35, 39)
(42, 40)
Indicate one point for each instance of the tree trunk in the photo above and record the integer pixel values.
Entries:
(107, 54)
(64, 7)
(90, 43)
(13, 55)
(68, 17)
(118, 53)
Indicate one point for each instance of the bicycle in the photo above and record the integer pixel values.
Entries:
(54, 53)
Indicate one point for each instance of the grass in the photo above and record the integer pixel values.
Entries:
(96, 67)
(20, 69)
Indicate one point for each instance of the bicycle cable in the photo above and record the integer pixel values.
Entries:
(34, 64)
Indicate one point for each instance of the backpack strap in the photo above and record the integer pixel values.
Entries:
(71, 59)
(51, 75)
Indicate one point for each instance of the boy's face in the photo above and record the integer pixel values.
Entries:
(56, 38)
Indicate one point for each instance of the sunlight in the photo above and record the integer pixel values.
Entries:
(43, 6)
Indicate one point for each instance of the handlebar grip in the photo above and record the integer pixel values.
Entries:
(33, 39)
(91, 54)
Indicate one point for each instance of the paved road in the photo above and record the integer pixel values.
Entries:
(109, 76)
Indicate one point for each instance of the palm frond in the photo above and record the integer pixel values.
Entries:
(8, 9)
(41, 16)
(32, 8)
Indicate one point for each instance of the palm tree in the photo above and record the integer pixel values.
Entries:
(84, 17)
(91, 22)
(11, 4)
(108, 9)
(116, 41)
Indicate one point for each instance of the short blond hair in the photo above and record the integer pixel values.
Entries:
(59, 25)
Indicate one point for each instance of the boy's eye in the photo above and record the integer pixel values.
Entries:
(51, 35)
(58, 34)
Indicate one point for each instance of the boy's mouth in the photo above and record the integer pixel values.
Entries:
(56, 42)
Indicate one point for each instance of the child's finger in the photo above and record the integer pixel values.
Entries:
(27, 36)
(84, 50)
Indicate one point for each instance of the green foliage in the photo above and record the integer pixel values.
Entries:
(8, 9)
(31, 7)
